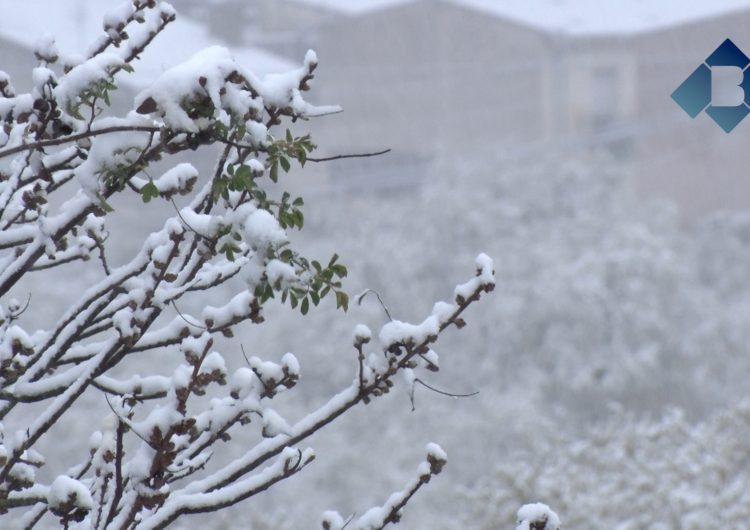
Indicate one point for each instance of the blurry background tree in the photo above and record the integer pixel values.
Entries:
(664, 475)
(160, 450)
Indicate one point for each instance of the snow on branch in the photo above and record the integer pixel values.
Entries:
(537, 516)
(379, 517)
(172, 399)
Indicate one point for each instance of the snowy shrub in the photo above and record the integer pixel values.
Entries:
(65, 160)
(629, 474)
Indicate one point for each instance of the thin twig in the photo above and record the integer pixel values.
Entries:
(185, 319)
(356, 155)
(436, 390)
(127, 423)
(75, 137)
(102, 256)
(443, 392)
(185, 222)
(307, 159)
(16, 314)
(364, 293)
(349, 520)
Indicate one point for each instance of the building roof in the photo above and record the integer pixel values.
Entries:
(76, 23)
(604, 17)
(574, 17)
(353, 7)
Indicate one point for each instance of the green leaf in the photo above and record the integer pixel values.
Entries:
(342, 300)
(299, 218)
(285, 165)
(218, 188)
(244, 172)
(289, 137)
(221, 131)
(305, 306)
(274, 171)
(104, 204)
(268, 292)
(315, 298)
(149, 191)
(339, 270)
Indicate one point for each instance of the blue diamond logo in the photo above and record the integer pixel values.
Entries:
(695, 93)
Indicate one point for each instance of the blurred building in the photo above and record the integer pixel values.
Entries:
(436, 79)
(501, 81)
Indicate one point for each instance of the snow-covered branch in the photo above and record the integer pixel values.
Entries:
(64, 155)
(379, 517)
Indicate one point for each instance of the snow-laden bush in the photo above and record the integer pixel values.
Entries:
(65, 158)
(629, 474)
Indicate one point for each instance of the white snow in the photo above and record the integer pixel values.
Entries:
(290, 364)
(242, 382)
(537, 513)
(108, 151)
(45, 47)
(282, 89)
(84, 76)
(277, 270)
(443, 311)
(238, 306)
(203, 224)
(176, 178)
(65, 489)
(76, 24)
(431, 359)
(266, 370)
(214, 362)
(485, 278)
(274, 424)
(396, 332)
(183, 82)
(362, 334)
(263, 230)
(332, 520)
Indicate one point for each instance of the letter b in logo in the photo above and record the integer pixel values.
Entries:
(720, 86)
(726, 86)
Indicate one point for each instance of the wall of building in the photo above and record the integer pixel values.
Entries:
(692, 161)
